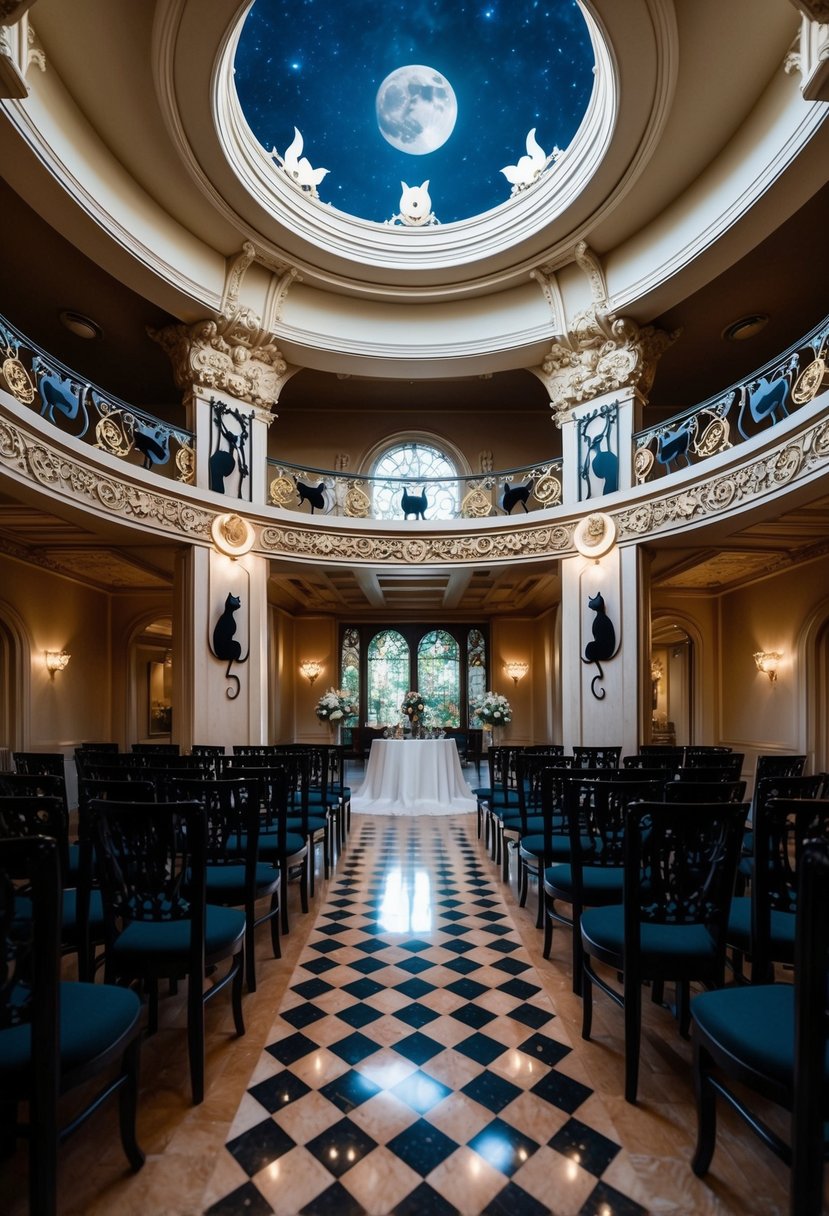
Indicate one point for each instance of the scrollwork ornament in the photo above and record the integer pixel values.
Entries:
(11, 447)
(476, 504)
(809, 381)
(18, 381)
(643, 462)
(713, 439)
(820, 441)
(44, 465)
(281, 491)
(787, 464)
(186, 464)
(548, 490)
(357, 504)
(111, 494)
(111, 437)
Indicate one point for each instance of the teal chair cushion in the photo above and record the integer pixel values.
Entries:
(269, 848)
(534, 846)
(226, 884)
(605, 927)
(535, 824)
(223, 927)
(755, 1024)
(70, 911)
(600, 884)
(90, 1015)
(781, 930)
(314, 823)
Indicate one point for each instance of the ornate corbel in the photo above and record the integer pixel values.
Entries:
(18, 50)
(810, 54)
(599, 352)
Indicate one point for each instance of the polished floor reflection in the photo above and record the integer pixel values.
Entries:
(412, 1052)
(417, 1065)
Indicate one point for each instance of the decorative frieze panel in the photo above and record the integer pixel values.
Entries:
(67, 477)
(551, 541)
(798, 457)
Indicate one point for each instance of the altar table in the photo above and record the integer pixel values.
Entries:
(413, 777)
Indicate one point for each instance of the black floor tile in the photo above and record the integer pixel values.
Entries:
(420, 1091)
(589, 1148)
(491, 1091)
(259, 1146)
(334, 1201)
(422, 1147)
(481, 1048)
(349, 1090)
(244, 1201)
(279, 1091)
(340, 1147)
(503, 1147)
(292, 1048)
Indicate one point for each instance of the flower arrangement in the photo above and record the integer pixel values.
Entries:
(335, 705)
(413, 706)
(494, 710)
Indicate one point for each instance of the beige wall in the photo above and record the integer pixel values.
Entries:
(316, 439)
(58, 614)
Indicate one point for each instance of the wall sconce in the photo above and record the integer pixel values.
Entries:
(56, 660)
(516, 671)
(767, 661)
(310, 669)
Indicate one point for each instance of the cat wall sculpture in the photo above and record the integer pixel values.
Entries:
(313, 495)
(514, 495)
(225, 646)
(414, 504)
(603, 646)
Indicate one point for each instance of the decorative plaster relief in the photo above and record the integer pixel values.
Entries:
(550, 541)
(233, 354)
(600, 352)
(64, 476)
(714, 495)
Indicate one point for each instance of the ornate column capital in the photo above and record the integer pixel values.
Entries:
(232, 354)
(600, 352)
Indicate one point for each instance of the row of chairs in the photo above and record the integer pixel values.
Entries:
(643, 873)
(175, 898)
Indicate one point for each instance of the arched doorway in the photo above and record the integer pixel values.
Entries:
(151, 670)
(673, 660)
(14, 685)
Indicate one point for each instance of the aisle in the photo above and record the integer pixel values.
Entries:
(416, 1066)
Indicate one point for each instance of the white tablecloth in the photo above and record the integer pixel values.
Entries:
(413, 777)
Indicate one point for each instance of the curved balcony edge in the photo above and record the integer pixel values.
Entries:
(77, 478)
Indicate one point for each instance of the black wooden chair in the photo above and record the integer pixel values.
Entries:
(55, 1037)
(284, 848)
(596, 757)
(679, 868)
(772, 1039)
(705, 791)
(152, 865)
(761, 925)
(592, 876)
(235, 877)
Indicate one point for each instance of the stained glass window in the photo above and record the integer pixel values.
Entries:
(415, 460)
(387, 678)
(350, 669)
(439, 679)
(475, 672)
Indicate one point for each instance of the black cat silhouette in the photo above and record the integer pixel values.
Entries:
(414, 504)
(224, 645)
(314, 495)
(514, 495)
(603, 645)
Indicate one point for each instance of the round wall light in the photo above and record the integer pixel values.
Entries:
(745, 327)
(79, 325)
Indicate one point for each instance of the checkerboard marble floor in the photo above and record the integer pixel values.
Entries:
(416, 1066)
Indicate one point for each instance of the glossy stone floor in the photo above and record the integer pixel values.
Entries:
(412, 1052)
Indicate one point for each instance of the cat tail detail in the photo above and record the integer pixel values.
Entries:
(601, 694)
(229, 675)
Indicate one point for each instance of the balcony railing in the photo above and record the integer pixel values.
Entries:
(81, 409)
(757, 403)
(527, 488)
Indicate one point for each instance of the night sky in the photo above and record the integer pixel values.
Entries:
(317, 65)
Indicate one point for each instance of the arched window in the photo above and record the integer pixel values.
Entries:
(421, 461)
(475, 672)
(439, 677)
(387, 677)
(350, 670)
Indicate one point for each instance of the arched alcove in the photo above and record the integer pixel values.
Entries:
(15, 696)
(149, 700)
(813, 685)
(676, 664)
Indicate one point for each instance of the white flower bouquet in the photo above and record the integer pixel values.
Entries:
(494, 710)
(335, 705)
(413, 706)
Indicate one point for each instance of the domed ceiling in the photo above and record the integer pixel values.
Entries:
(474, 103)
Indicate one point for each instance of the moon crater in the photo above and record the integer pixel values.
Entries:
(416, 109)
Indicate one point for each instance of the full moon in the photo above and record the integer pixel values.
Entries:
(416, 109)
